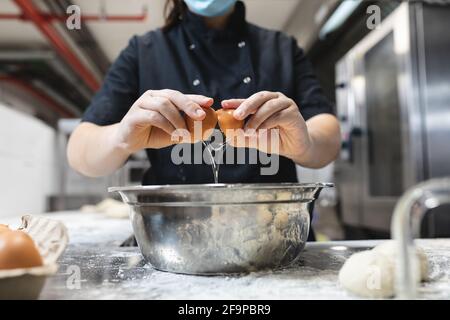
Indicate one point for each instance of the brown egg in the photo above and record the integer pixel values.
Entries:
(207, 125)
(17, 250)
(4, 228)
(227, 121)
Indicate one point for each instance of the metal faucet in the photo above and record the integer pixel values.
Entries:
(405, 226)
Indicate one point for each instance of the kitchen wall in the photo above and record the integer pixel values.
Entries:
(27, 163)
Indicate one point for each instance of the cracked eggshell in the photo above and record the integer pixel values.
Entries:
(50, 238)
(4, 228)
(206, 126)
(227, 122)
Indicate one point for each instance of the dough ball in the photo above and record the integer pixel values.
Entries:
(281, 220)
(368, 274)
(389, 249)
(265, 197)
(110, 207)
(371, 273)
(284, 196)
(264, 216)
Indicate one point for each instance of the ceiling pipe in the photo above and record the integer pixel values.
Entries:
(82, 38)
(52, 104)
(57, 97)
(45, 66)
(32, 13)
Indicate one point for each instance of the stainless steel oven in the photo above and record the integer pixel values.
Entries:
(393, 101)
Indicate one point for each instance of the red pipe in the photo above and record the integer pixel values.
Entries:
(39, 95)
(32, 13)
(53, 17)
(12, 16)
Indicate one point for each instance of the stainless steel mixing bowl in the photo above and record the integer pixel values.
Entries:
(221, 228)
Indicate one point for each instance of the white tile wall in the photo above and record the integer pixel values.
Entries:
(28, 171)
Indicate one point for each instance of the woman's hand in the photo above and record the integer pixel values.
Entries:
(96, 151)
(271, 110)
(155, 116)
(311, 144)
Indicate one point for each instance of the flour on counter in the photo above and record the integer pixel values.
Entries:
(112, 272)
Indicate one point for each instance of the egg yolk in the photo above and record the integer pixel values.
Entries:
(202, 130)
(17, 250)
(227, 122)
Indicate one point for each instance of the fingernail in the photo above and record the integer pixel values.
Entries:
(200, 112)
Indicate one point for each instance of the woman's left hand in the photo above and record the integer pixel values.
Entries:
(271, 110)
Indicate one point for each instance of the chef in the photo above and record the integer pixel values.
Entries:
(206, 56)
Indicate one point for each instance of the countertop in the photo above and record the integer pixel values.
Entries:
(94, 266)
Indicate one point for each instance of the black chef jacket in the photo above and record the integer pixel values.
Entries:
(235, 62)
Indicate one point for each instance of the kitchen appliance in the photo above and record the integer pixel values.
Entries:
(221, 228)
(393, 101)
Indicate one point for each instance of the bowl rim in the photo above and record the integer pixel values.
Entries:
(221, 186)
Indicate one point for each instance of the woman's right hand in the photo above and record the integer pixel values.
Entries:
(155, 116)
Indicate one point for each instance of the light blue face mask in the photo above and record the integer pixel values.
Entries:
(210, 8)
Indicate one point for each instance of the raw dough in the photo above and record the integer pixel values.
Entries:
(371, 273)
(389, 249)
(264, 216)
(110, 207)
(368, 274)
(281, 220)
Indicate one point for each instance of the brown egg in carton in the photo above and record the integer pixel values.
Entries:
(51, 238)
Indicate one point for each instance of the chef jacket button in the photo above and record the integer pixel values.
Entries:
(192, 47)
(247, 80)
(241, 44)
(196, 82)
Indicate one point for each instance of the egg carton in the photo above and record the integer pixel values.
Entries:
(51, 238)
